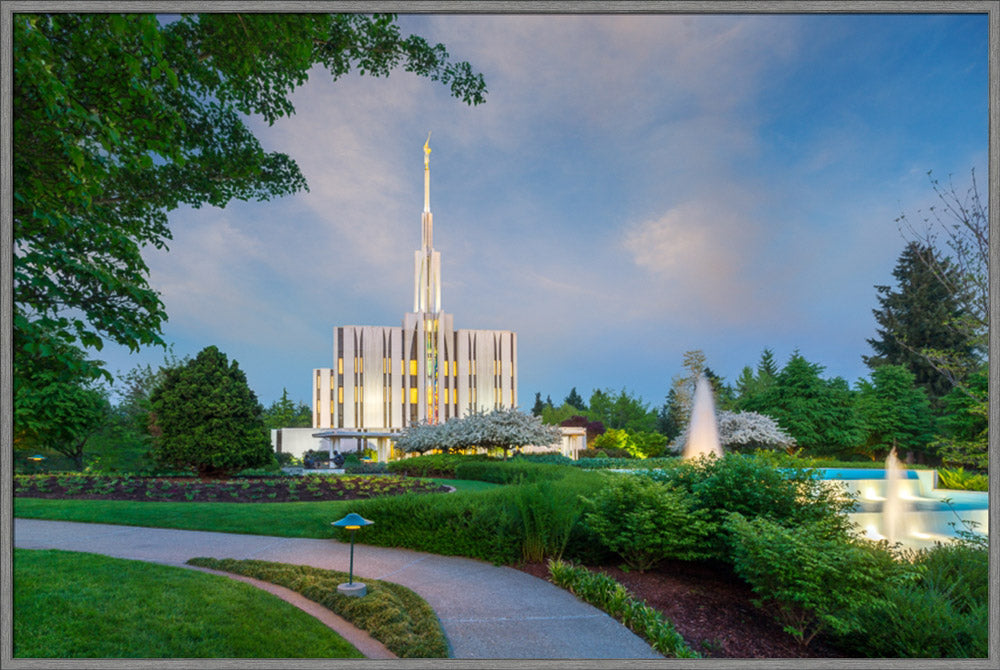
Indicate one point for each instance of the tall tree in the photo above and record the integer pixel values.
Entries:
(683, 384)
(576, 400)
(539, 406)
(895, 413)
(120, 118)
(918, 315)
(59, 411)
(621, 410)
(817, 412)
(751, 384)
(206, 417)
(668, 419)
(964, 423)
(283, 413)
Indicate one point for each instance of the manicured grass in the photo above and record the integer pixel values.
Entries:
(299, 519)
(303, 519)
(77, 605)
(391, 613)
(465, 485)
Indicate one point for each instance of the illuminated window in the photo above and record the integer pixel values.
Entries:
(340, 365)
(454, 368)
(340, 394)
(359, 364)
(413, 396)
(413, 367)
(317, 380)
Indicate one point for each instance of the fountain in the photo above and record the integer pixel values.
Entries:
(895, 507)
(703, 430)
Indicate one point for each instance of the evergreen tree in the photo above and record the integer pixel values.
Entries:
(283, 413)
(751, 385)
(895, 412)
(536, 409)
(669, 420)
(622, 411)
(206, 417)
(917, 315)
(818, 413)
(576, 400)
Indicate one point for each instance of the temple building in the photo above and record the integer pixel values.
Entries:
(385, 378)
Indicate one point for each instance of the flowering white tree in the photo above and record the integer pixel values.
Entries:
(746, 431)
(500, 429)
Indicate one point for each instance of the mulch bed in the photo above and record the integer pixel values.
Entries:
(711, 608)
(191, 489)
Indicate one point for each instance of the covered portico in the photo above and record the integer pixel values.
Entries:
(380, 440)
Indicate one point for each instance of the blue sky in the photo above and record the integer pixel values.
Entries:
(633, 188)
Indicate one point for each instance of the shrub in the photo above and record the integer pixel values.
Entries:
(645, 522)
(434, 465)
(811, 576)
(508, 472)
(941, 614)
(547, 512)
(551, 457)
(478, 525)
(959, 479)
(753, 486)
(607, 594)
(625, 463)
(361, 468)
(914, 621)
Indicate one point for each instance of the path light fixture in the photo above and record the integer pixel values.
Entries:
(352, 522)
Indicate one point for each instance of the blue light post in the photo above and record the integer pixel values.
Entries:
(352, 522)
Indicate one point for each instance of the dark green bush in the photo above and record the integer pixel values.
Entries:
(753, 486)
(434, 465)
(625, 463)
(362, 468)
(529, 521)
(547, 512)
(508, 472)
(942, 614)
(913, 621)
(645, 522)
(553, 457)
(812, 576)
(478, 525)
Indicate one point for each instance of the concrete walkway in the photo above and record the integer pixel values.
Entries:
(486, 611)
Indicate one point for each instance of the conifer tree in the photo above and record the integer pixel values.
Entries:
(206, 417)
(918, 314)
(576, 400)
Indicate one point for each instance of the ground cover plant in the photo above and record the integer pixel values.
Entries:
(77, 605)
(610, 596)
(178, 489)
(393, 614)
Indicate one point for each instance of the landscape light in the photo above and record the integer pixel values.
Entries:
(352, 522)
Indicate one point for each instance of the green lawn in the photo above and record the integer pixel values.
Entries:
(297, 519)
(300, 519)
(465, 485)
(76, 605)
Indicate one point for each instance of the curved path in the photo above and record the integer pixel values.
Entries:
(486, 611)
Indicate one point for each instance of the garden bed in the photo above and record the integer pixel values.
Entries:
(307, 488)
(711, 608)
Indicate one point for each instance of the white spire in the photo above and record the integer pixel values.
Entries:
(427, 267)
